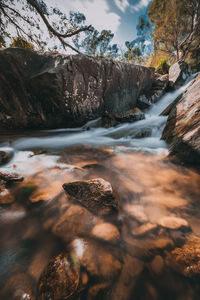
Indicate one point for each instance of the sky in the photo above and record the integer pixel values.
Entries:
(120, 16)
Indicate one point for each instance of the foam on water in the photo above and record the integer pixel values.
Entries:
(125, 134)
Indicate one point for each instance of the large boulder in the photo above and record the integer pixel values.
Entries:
(182, 130)
(178, 73)
(159, 87)
(52, 90)
(95, 194)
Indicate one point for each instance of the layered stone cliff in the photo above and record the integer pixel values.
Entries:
(182, 130)
(52, 90)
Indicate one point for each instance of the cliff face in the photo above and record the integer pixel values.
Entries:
(52, 90)
(182, 130)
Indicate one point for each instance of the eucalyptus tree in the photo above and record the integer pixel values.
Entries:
(27, 18)
(177, 26)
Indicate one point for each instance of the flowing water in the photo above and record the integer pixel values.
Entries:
(133, 158)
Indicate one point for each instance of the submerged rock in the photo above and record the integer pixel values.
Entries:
(76, 221)
(61, 279)
(95, 194)
(6, 155)
(56, 90)
(128, 116)
(10, 177)
(186, 259)
(20, 286)
(173, 223)
(136, 212)
(178, 73)
(144, 229)
(107, 232)
(182, 130)
(96, 259)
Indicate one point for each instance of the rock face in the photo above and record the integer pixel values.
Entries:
(159, 87)
(178, 73)
(182, 130)
(128, 116)
(52, 90)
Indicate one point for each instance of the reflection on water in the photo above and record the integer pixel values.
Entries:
(150, 189)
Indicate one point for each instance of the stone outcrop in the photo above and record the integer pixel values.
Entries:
(53, 90)
(178, 73)
(95, 194)
(128, 116)
(159, 87)
(182, 130)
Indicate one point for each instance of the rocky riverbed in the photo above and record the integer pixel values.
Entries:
(101, 211)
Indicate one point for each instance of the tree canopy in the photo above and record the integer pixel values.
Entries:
(177, 26)
(25, 18)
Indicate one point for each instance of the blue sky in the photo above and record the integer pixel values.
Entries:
(121, 16)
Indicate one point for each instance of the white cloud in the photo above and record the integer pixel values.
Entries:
(141, 4)
(122, 4)
(96, 11)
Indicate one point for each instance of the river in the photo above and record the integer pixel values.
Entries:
(150, 189)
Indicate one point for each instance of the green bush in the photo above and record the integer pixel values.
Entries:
(20, 42)
(163, 68)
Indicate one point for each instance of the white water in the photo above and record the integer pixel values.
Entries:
(125, 134)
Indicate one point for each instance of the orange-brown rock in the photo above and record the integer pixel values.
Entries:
(186, 259)
(61, 279)
(182, 130)
(95, 194)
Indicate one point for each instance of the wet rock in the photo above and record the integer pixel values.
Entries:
(82, 88)
(98, 291)
(76, 221)
(6, 155)
(41, 258)
(136, 212)
(146, 249)
(131, 269)
(159, 86)
(169, 108)
(186, 259)
(173, 223)
(129, 116)
(107, 232)
(10, 177)
(6, 197)
(157, 265)
(144, 102)
(178, 73)
(61, 279)
(182, 130)
(95, 194)
(97, 259)
(20, 286)
(144, 230)
(178, 237)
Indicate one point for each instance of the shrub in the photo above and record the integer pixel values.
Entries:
(20, 42)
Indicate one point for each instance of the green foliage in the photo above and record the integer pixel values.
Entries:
(133, 54)
(97, 44)
(177, 26)
(163, 67)
(193, 60)
(2, 42)
(20, 42)
(158, 61)
(34, 21)
(28, 189)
